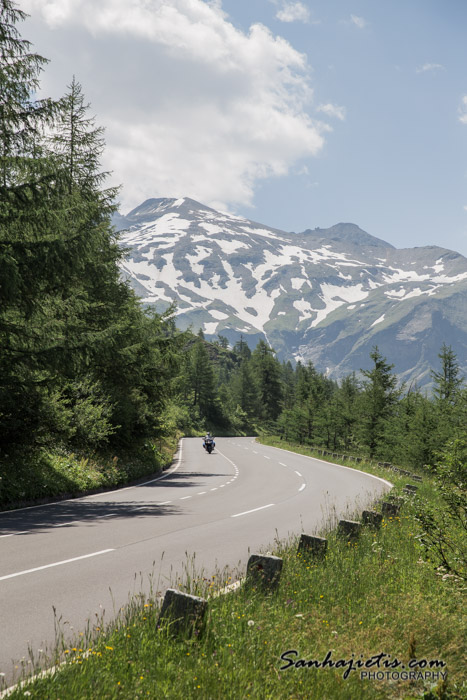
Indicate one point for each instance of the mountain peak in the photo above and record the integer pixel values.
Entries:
(348, 233)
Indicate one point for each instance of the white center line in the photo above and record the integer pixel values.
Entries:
(221, 486)
(237, 515)
(266, 457)
(282, 464)
(184, 498)
(214, 489)
(57, 563)
(201, 493)
(302, 487)
(164, 503)
(254, 452)
(298, 473)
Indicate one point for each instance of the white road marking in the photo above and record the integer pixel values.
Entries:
(298, 473)
(13, 534)
(215, 489)
(221, 486)
(57, 563)
(266, 457)
(184, 498)
(169, 472)
(254, 452)
(302, 487)
(201, 493)
(164, 503)
(237, 515)
(316, 459)
(282, 464)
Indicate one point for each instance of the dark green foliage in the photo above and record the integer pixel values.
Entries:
(377, 403)
(202, 379)
(447, 380)
(81, 364)
(445, 526)
(267, 376)
(245, 391)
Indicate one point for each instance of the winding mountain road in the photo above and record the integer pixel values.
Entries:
(83, 556)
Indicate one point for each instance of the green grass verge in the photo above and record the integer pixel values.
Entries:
(377, 596)
(33, 476)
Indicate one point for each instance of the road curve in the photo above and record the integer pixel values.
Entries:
(83, 556)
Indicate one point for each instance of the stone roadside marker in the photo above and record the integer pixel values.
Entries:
(349, 528)
(312, 546)
(184, 613)
(263, 571)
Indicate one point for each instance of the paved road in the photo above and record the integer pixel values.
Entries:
(86, 555)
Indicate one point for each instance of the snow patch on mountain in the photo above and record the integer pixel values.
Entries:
(378, 320)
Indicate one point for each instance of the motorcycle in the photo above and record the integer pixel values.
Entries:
(209, 445)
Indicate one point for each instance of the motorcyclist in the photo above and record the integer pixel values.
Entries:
(208, 436)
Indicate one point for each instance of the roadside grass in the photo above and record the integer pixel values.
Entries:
(377, 595)
(28, 477)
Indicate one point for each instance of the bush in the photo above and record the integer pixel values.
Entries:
(445, 525)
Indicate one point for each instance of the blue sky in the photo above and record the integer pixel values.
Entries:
(296, 114)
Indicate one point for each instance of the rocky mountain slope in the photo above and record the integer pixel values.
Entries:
(323, 295)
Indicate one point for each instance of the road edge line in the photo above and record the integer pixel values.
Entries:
(177, 460)
(341, 466)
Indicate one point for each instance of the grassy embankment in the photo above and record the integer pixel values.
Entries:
(378, 595)
(34, 476)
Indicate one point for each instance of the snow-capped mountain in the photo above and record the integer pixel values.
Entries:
(325, 295)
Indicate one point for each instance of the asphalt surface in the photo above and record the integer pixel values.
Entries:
(84, 557)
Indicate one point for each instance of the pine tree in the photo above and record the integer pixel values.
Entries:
(244, 390)
(203, 382)
(80, 360)
(242, 349)
(446, 391)
(267, 375)
(447, 381)
(288, 379)
(348, 394)
(377, 402)
(27, 183)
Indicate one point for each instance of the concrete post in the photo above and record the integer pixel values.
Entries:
(183, 613)
(263, 571)
(315, 547)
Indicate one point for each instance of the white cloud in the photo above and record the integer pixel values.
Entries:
(463, 110)
(294, 12)
(429, 67)
(359, 22)
(332, 111)
(192, 105)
